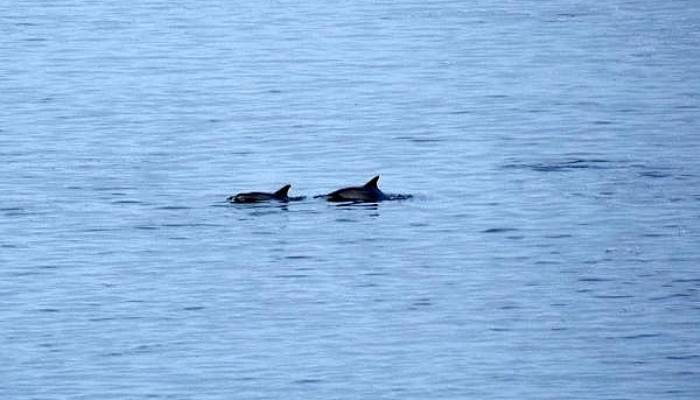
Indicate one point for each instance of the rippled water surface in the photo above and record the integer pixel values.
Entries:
(550, 249)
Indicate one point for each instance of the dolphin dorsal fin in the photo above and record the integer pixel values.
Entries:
(282, 192)
(372, 184)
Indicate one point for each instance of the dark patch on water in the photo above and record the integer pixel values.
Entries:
(422, 302)
(613, 296)
(102, 319)
(499, 230)
(654, 235)
(686, 357)
(126, 202)
(547, 262)
(291, 276)
(593, 280)
(298, 257)
(375, 274)
(173, 208)
(111, 188)
(189, 225)
(25, 273)
(638, 336)
(668, 297)
(307, 381)
(11, 209)
(146, 227)
(558, 236)
(91, 230)
(689, 280)
(559, 166)
(654, 174)
(419, 139)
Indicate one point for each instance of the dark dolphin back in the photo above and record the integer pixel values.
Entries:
(257, 197)
(369, 192)
(372, 183)
(283, 192)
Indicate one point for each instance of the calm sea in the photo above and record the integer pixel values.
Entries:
(551, 249)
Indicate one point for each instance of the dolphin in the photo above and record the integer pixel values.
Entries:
(369, 193)
(259, 197)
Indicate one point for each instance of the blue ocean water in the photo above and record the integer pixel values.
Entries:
(550, 249)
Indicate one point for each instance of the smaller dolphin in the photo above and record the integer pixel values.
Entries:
(259, 197)
(369, 193)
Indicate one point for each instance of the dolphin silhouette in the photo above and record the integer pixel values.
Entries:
(369, 193)
(259, 197)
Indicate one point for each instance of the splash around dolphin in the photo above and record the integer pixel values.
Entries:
(368, 193)
(281, 195)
